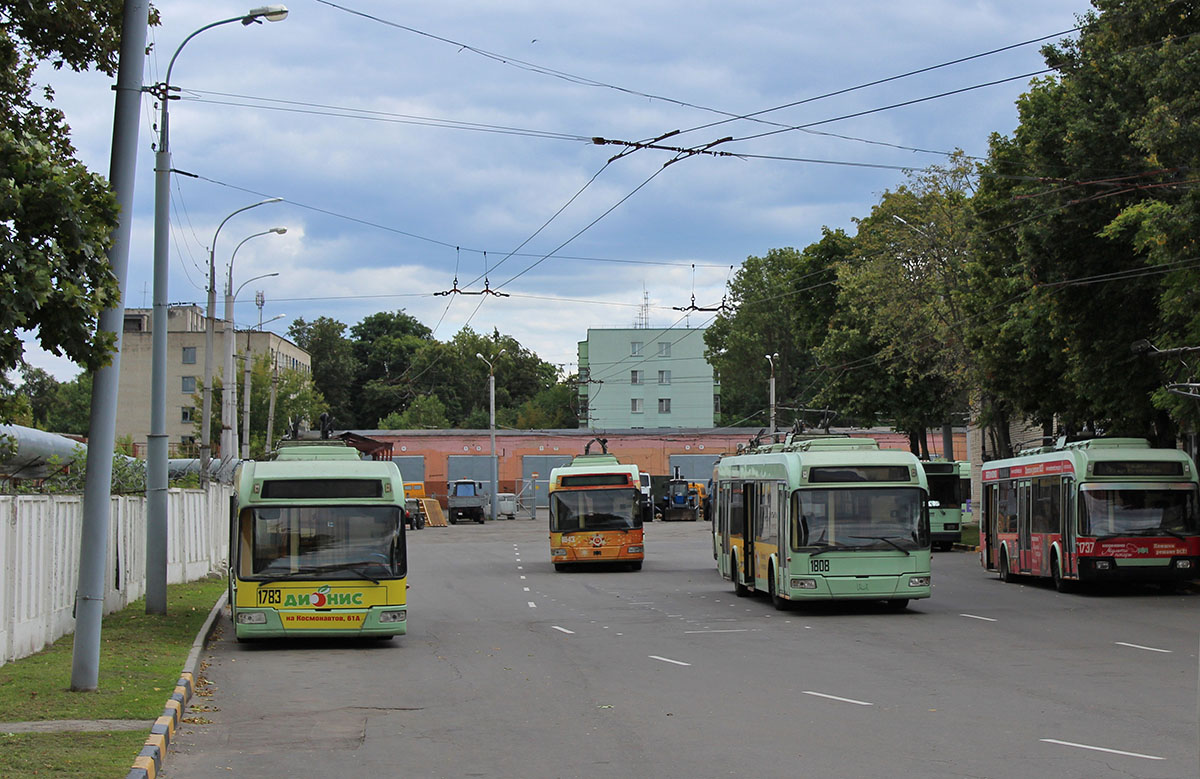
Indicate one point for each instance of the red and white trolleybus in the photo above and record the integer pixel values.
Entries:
(1103, 509)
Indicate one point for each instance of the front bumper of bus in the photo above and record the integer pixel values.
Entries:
(376, 622)
(601, 554)
(903, 586)
(1163, 569)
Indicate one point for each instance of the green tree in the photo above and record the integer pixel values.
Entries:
(385, 345)
(554, 408)
(56, 218)
(781, 303)
(296, 398)
(334, 366)
(1103, 220)
(898, 351)
(424, 413)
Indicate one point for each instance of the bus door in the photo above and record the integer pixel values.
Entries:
(1024, 536)
(1069, 560)
(724, 503)
(750, 505)
(987, 526)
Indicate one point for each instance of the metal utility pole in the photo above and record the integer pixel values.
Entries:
(156, 449)
(771, 358)
(210, 326)
(492, 408)
(93, 552)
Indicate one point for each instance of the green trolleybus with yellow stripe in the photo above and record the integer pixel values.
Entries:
(823, 519)
(317, 547)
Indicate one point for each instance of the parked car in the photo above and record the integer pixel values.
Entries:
(466, 500)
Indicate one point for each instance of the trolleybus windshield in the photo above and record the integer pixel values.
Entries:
(594, 510)
(318, 542)
(860, 519)
(1137, 511)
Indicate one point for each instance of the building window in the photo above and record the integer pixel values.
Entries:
(635, 348)
(664, 405)
(717, 404)
(186, 414)
(189, 384)
(664, 377)
(664, 348)
(635, 377)
(189, 355)
(635, 405)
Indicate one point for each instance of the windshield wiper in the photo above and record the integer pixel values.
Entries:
(886, 540)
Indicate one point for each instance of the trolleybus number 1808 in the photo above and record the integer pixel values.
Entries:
(819, 566)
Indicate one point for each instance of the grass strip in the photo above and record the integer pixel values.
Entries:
(141, 656)
(61, 755)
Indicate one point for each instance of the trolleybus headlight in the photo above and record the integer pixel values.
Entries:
(1183, 563)
(393, 616)
(951, 526)
(635, 550)
(918, 581)
(252, 618)
(558, 552)
(1102, 565)
(804, 584)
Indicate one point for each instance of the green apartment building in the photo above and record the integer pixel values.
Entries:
(651, 378)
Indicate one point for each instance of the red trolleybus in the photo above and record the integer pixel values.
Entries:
(1088, 511)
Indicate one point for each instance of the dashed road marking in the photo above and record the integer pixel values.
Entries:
(836, 698)
(668, 660)
(1100, 749)
(1139, 646)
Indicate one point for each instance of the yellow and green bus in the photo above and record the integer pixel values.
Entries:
(823, 519)
(317, 546)
(595, 512)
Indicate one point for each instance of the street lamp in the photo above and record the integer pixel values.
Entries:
(156, 441)
(210, 326)
(492, 424)
(771, 358)
(229, 390)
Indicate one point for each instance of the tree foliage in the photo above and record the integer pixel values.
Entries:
(56, 217)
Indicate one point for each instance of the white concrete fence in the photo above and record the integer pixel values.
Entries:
(39, 552)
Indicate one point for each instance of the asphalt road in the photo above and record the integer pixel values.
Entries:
(510, 669)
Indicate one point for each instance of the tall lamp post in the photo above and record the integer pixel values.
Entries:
(210, 326)
(229, 385)
(771, 358)
(156, 443)
(246, 382)
(492, 424)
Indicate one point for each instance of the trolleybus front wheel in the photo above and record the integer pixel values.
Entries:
(897, 604)
(1060, 584)
(779, 603)
(1006, 575)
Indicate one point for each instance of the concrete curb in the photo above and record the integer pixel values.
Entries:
(150, 760)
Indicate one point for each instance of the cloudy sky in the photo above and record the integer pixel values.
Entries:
(416, 142)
